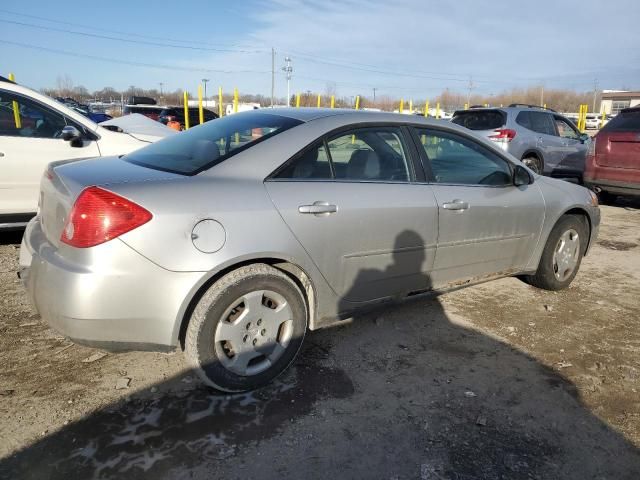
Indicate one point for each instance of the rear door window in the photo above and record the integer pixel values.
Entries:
(523, 120)
(363, 154)
(542, 122)
(624, 122)
(480, 119)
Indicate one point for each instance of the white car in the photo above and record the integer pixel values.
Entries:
(36, 130)
(593, 121)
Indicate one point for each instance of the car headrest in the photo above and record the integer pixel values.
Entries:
(364, 164)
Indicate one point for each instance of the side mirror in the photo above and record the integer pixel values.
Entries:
(584, 137)
(72, 134)
(521, 176)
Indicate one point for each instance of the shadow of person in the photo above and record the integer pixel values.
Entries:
(404, 272)
(410, 391)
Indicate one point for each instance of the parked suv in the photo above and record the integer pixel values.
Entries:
(176, 114)
(613, 161)
(546, 142)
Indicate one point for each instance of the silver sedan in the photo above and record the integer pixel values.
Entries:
(232, 239)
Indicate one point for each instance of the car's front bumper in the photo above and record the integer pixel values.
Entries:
(108, 295)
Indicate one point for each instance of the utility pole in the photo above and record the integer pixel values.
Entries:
(595, 93)
(161, 85)
(288, 69)
(374, 94)
(205, 80)
(542, 95)
(273, 73)
(469, 92)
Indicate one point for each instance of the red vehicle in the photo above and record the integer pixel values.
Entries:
(613, 160)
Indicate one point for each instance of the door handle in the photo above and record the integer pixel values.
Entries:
(318, 208)
(456, 205)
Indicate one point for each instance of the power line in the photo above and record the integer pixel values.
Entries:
(127, 62)
(127, 40)
(119, 32)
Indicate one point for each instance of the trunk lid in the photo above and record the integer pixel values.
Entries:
(619, 150)
(63, 181)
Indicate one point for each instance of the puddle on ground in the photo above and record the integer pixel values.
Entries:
(145, 436)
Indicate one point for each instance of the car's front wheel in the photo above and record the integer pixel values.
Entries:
(246, 329)
(562, 254)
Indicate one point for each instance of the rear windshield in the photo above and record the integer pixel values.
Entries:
(202, 147)
(480, 120)
(624, 121)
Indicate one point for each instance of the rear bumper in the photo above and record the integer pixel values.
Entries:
(613, 186)
(108, 296)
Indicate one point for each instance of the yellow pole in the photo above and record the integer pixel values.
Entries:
(16, 107)
(401, 110)
(438, 110)
(333, 101)
(602, 119)
(544, 105)
(235, 100)
(426, 108)
(486, 104)
(186, 110)
(220, 112)
(200, 110)
(319, 100)
(297, 100)
(466, 106)
(358, 102)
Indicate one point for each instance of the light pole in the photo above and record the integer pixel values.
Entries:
(205, 80)
(161, 95)
(288, 69)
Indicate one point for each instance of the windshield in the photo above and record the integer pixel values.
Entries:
(480, 119)
(202, 147)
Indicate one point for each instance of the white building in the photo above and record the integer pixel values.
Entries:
(615, 100)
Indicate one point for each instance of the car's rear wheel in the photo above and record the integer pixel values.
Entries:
(246, 329)
(533, 163)
(562, 254)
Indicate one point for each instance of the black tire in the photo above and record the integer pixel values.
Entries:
(533, 163)
(606, 198)
(545, 277)
(203, 351)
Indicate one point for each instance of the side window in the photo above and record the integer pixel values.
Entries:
(565, 130)
(542, 122)
(457, 160)
(369, 154)
(313, 163)
(20, 117)
(523, 119)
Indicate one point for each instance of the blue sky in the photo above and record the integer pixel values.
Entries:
(410, 48)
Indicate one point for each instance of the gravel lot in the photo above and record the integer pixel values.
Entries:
(498, 381)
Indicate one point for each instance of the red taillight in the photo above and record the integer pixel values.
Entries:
(98, 216)
(503, 135)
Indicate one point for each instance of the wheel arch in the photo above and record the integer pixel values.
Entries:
(579, 211)
(286, 265)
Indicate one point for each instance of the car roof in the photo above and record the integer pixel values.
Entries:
(346, 115)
